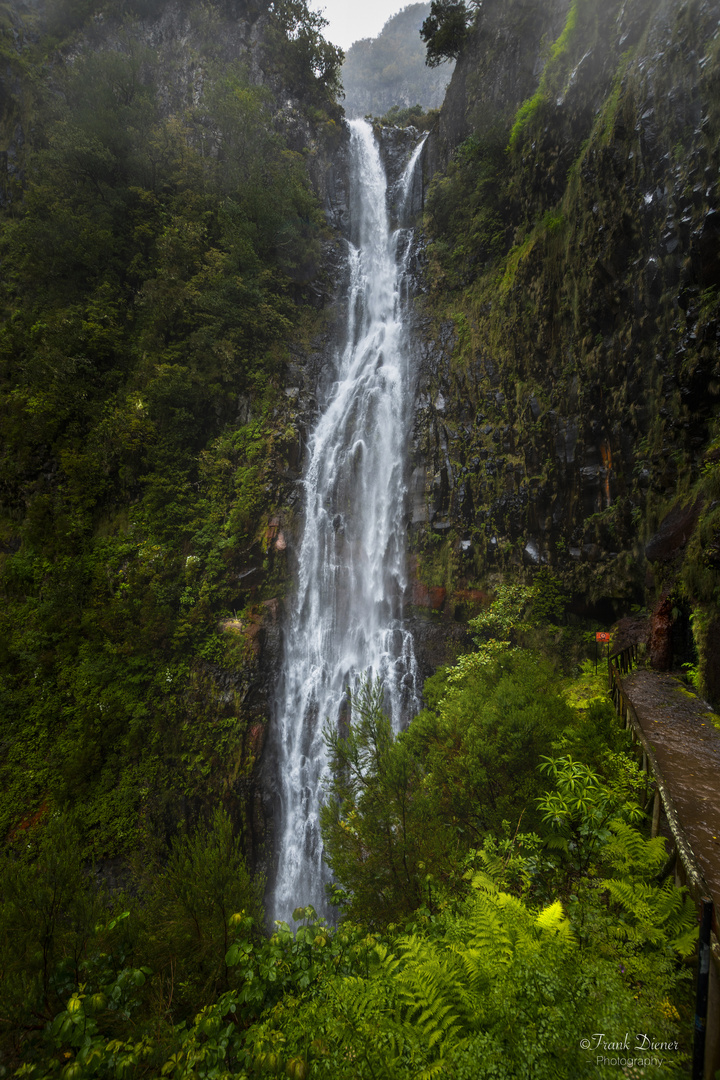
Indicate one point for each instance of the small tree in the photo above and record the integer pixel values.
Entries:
(190, 905)
(445, 29)
(49, 907)
(377, 825)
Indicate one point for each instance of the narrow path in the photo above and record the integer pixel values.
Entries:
(679, 727)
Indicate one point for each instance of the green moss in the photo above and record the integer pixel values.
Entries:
(554, 221)
(523, 117)
(436, 561)
(512, 263)
(552, 74)
(712, 718)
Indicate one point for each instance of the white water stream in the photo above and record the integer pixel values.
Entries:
(347, 618)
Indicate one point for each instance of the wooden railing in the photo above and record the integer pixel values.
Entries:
(682, 862)
(621, 662)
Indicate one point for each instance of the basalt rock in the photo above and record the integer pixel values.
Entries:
(569, 398)
(660, 639)
(675, 530)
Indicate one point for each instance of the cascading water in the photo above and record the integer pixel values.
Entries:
(347, 619)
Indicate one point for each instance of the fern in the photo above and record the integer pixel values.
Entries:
(432, 993)
(659, 915)
(474, 974)
(498, 987)
(631, 852)
(552, 920)
(490, 933)
(494, 866)
(432, 1072)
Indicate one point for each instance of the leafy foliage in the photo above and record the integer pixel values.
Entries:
(494, 987)
(190, 903)
(445, 29)
(412, 116)
(503, 964)
(154, 272)
(376, 822)
(49, 911)
(403, 811)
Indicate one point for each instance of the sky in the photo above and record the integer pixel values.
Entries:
(350, 20)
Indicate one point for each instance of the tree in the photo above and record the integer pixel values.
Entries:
(445, 29)
(49, 908)
(190, 907)
(377, 826)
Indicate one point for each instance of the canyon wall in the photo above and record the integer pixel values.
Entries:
(167, 335)
(566, 415)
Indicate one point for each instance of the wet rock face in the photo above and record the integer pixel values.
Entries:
(674, 532)
(499, 68)
(660, 639)
(569, 402)
(396, 148)
(437, 638)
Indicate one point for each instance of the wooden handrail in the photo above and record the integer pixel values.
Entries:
(622, 660)
(684, 855)
(693, 874)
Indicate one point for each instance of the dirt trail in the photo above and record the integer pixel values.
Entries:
(679, 727)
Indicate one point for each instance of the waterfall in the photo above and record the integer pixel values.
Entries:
(346, 623)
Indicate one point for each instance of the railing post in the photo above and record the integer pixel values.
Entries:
(656, 815)
(703, 979)
(712, 1033)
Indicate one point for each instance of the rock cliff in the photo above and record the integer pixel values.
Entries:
(567, 326)
(567, 407)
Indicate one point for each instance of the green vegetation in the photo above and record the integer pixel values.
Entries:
(495, 914)
(699, 583)
(413, 116)
(499, 900)
(404, 811)
(523, 115)
(445, 29)
(554, 71)
(545, 255)
(464, 210)
(155, 271)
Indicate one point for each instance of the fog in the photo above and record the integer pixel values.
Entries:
(349, 21)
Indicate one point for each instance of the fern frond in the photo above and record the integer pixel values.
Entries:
(555, 842)
(670, 903)
(552, 920)
(431, 1015)
(684, 943)
(483, 880)
(432, 1072)
(362, 996)
(494, 865)
(630, 850)
(471, 962)
(385, 959)
(624, 892)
